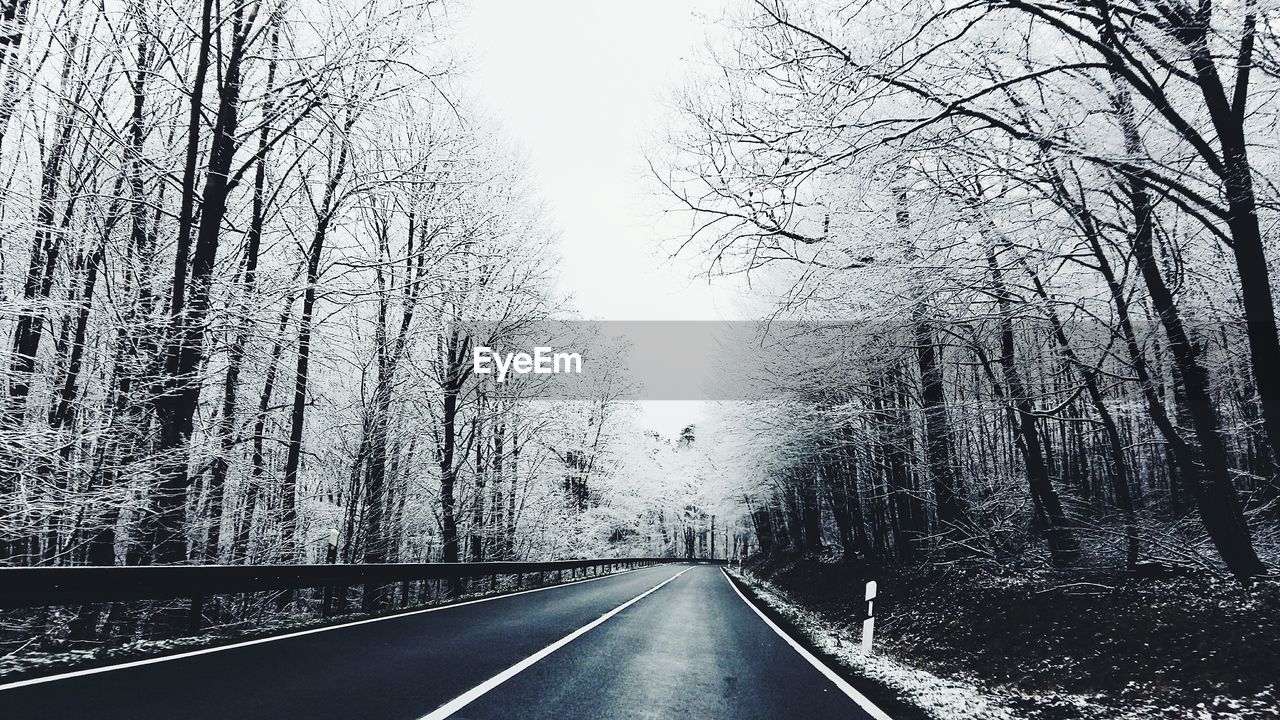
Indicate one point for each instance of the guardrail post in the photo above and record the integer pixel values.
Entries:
(519, 580)
(331, 557)
(195, 617)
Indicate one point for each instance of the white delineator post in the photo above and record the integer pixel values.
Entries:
(868, 625)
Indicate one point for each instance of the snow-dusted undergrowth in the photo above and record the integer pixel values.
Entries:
(939, 698)
(962, 696)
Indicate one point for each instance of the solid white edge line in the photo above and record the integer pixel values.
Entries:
(258, 641)
(470, 696)
(862, 701)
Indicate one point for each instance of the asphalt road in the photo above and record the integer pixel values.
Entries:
(689, 649)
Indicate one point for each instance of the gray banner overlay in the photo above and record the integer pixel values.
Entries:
(725, 360)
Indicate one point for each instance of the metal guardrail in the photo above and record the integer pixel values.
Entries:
(25, 587)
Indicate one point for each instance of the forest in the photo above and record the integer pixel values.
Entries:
(1048, 230)
(246, 251)
(248, 248)
(1050, 427)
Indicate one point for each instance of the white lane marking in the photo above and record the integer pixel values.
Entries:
(862, 701)
(470, 696)
(273, 638)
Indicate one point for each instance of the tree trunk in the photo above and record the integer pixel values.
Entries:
(452, 382)
(1063, 547)
(297, 416)
(176, 408)
(225, 431)
(948, 490)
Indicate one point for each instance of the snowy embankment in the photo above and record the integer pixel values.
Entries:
(936, 697)
(962, 695)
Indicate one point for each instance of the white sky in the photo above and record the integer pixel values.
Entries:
(581, 86)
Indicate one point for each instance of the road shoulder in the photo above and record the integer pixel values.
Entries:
(902, 692)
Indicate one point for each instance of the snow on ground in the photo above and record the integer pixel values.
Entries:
(939, 698)
(954, 697)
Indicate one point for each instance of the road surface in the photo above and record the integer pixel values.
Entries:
(673, 641)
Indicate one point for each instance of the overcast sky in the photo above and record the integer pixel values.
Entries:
(582, 86)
